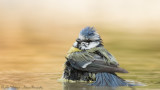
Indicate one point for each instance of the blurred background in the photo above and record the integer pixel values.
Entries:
(35, 35)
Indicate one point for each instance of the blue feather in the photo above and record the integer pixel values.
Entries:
(88, 31)
(110, 80)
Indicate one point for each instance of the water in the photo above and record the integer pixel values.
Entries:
(40, 68)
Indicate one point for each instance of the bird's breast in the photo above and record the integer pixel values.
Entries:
(72, 50)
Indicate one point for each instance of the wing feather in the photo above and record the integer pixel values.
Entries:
(85, 61)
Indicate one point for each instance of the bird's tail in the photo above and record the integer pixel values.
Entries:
(111, 80)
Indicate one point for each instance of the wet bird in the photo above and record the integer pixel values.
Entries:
(88, 60)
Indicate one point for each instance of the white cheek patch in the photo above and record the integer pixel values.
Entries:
(92, 45)
(84, 45)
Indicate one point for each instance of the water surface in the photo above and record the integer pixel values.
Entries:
(39, 68)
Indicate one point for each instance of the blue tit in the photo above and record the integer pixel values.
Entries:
(88, 60)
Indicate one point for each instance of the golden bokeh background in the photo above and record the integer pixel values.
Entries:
(35, 35)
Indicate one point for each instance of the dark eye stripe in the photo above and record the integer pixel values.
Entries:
(87, 41)
(79, 41)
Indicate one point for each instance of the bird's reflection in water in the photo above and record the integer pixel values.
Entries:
(84, 86)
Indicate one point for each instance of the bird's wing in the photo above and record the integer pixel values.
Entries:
(82, 60)
(108, 57)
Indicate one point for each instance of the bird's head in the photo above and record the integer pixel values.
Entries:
(88, 38)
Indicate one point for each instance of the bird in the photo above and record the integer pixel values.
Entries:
(88, 60)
